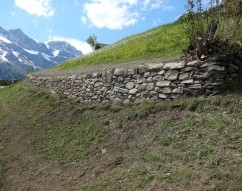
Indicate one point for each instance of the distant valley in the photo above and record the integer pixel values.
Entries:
(20, 54)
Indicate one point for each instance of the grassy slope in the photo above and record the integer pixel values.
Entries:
(160, 43)
(177, 145)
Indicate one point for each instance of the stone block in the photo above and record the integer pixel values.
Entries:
(194, 63)
(146, 74)
(174, 65)
(153, 94)
(157, 78)
(116, 89)
(118, 72)
(161, 72)
(171, 75)
(141, 69)
(132, 71)
(184, 76)
(120, 79)
(188, 69)
(166, 90)
(191, 81)
(149, 79)
(140, 80)
(130, 85)
(152, 67)
(195, 86)
(163, 83)
(150, 86)
(123, 91)
(133, 91)
(178, 90)
(141, 87)
(163, 96)
(215, 68)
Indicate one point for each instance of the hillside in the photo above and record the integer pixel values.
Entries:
(160, 44)
(58, 144)
(49, 142)
(156, 45)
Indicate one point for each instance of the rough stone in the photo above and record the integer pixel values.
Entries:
(177, 90)
(116, 89)
(118, 72)
(130, 85)
(98, 84)
(153, 94)
(184, 76)
(109, 77)
(144, 94)
(152, 67)
(141, 69)
(117, 100)
(123, 91)
(141, 87)
(166, 90)
(132, 71)
(161, 72)
(163, 83)
(171, 75)
(140, 80)
(174, 65)
(153, 73)
(120, 78)
(191, 81)
(163, 96)
(157, 78)
(146, 74)
(133, 91)
(203, 75)
(150, 86)
(204, 65)
(104, 89)
(149, 79)
(194, 63)
(216, 68)
(216, 84)
(195, 86)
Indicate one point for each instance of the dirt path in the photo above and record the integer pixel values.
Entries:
(24, 169)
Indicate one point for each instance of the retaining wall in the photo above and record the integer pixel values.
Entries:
(150, 82)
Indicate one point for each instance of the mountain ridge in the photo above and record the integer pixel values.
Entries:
(23, 54)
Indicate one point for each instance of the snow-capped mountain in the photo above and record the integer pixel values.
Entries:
(19, 54)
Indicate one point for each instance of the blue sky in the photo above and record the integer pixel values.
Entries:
(76, 20)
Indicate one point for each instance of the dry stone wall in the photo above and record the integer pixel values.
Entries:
(150, 82)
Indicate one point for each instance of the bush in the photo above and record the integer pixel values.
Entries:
(210, 31)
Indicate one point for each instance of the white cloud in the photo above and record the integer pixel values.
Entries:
(114, 14)
(36, 7)
(79, 45)
(117, 14)
(84, 19)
